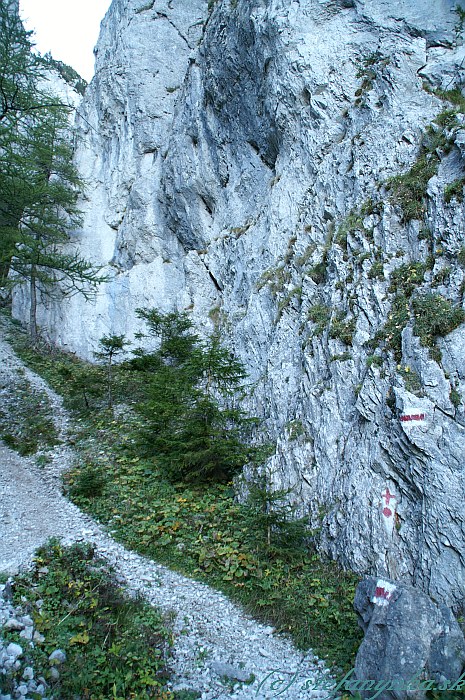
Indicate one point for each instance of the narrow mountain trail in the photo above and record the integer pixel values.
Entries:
(217, 646)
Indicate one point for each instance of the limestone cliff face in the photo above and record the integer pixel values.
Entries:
(238, 163)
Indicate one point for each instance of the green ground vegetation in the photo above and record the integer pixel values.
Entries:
(409, 190)
(390, 335)
(26, 423)
(319, 314)
(370, 69)
(407, 277)
(199, 528)
(343, 329)
(116, 646)
(454, 190)
(435, 316)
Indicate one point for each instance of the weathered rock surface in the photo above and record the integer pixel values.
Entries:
(237, 164)
(410, 643)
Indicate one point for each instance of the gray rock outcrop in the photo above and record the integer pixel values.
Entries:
(239, 166)
(410, 646)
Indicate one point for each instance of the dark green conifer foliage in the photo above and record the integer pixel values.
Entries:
(47, 190)
(271, 518)
(19, 69)
(110, 347)
(39, 184)
(19, 72)
(194, 425)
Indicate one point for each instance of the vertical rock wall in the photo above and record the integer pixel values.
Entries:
(238, 163)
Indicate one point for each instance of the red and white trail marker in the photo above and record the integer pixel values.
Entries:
(388, 510)
(412, 417)
(383, 592)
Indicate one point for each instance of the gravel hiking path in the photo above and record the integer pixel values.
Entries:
(217, 646)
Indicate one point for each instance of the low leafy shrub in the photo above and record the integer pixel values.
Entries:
(25, 422)
(89, 483)
(376, 271)
(412, 380)
(318, 272)
(454, 190)
(409, 189)
(319, 314)
(454, 96)
(390, 335)
(374, 361)
(407, 277)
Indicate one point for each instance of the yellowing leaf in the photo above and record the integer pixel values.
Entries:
(81, 638)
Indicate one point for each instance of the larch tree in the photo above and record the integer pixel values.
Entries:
(39, 184)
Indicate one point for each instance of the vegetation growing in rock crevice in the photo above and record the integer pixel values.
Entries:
(407, 277)
(319, 314)
(390, 335)
(435, 316)
(454, 190)
(370, 69)
(409, 190)
(343, 329)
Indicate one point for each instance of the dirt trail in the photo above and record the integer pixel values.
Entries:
(217, 640)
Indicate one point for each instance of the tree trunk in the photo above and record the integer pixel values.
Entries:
(110, 395)
(33, 308)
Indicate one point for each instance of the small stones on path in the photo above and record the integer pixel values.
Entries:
(219, 651)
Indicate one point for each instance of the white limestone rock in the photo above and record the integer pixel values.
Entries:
(237, 161)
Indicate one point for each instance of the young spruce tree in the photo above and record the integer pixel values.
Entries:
(194, 425)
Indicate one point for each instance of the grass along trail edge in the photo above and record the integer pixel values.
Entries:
(210, 628)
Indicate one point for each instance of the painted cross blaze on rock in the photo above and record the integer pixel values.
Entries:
(388, 503)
